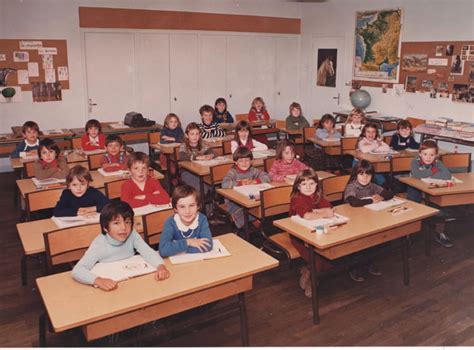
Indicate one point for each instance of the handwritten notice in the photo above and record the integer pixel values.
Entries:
(30, 45)
(47, 61)
(437, 61)
(33, 70)
(48, 51)
(3, 57)
(63, 73)
(23, 78)
(50, 75)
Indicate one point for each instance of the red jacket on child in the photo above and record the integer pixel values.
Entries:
(130, 190)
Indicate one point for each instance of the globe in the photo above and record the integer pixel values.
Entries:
(8, 92)
(360, 99)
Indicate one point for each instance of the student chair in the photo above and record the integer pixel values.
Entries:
(39, 200)
(387, 139)
(276, 201)
(416, 121)
(93, 160)
(226, 147)
(239, 117)
(457, 161)
(29, 169)
(217, 174)
(308, 133)
(399, 165)
(113, 189)
(333, 187)
(153, 224)
(68, 245)
(153, 137)
(76, 143)
(268, 163)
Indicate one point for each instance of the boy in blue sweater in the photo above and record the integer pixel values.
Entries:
(30, 143)
(118, 241)
(187, 231)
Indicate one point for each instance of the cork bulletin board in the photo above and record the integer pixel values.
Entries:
(27, 56)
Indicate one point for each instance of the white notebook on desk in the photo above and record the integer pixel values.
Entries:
(440, 182)
(71, 221)
(337, 219)
(123, 269)
(46, 182)
(150, 208)
(391, 151)
(385, 204)
(95, 151)
(113, 173)
(26, 156)
(264, 154)
(218, 251)
(252, 190)
(212, 162)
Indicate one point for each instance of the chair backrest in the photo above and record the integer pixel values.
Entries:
(243, 116)
(308, 133)
(416, 121)
(457, 160)
(154, 137)
(348, 144)
(29, 168)
(387, 139)
(400, 164)
(93, 160)
(268, 163)
(218, 172)
(333, 187)
(76, 143)
(39, 200)
(153, 224)
(113, 189)
(275, 201)
(68, 244)
(226, 147)
(280, 123)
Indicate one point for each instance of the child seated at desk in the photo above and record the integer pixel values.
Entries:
(296, 120)
(142, 189)
(93, 139)
(30, 143)
(209, 128)
(285, 163)
(117, 241)
(172, 130)
(354, 123)
(242, 173)
(243, 138)
(427, 165)
(51, 164)
(114, 158)
(258, 112)
(187, 231)
(325, 131)
(79, 198)
(403, 137)
(327, 128)
(221, 114)
(361, 191)
(307, 202)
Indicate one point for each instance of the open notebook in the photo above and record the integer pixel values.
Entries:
(150, 208)
(26, 156)
(337, 219)
(264, 154)
(440, 182)
(252, 190)
(123, 269)
(46, 182)
(70, 221)
(385, 204)
(212, 162)
(218, 251)
(390, 151)
(95, 151)
(113, 173)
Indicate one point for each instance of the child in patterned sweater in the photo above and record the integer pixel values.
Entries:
(286, 163)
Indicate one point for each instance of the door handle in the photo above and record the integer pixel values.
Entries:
(230, 96)
(338, 98)
(175, 99)
(91, 104)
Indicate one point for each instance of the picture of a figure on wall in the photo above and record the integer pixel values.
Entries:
(457, 65)
(44, 92)
(327, 67)
(410, 84)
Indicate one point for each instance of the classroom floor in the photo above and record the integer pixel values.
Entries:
(436, 309)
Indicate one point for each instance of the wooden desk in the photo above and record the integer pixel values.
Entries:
(385, 123)
(72, 158)
(444, 134)
(332, 148)
(366, 228)
(252, 206)
(458, 194)
(140, 300)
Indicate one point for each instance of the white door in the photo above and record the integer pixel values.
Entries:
(212, 61)
(286, 75)
(184, 85)
(264, 62)
(153, 76)
(327, 99)
(110, 75)
(240, 73)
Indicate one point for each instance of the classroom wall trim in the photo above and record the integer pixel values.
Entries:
(101, 17)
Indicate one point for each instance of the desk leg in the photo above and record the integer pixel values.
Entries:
(23, 270)
(244, 329)
(203, 195)
(168, 171)
(314, 285)
(427, 229)
(406, 267)
(42, 330)
(246, 224)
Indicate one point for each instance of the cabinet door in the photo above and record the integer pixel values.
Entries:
(184, 77)
(212, 68)
(240, 74)
(153, 92)
(110, 75)
(286, 75)
(264, 61)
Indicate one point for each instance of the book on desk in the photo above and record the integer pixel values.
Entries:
(123, 270)
(218, 251)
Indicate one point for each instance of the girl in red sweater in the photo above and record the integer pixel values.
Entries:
(286, 163)
(307, 202)
(142, 189)
(93, 139)
(258, 112)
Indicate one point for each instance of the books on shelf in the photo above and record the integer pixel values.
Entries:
(46, 182)
(150, 208)
(218, 251)
(252, 191)
(71, 221)
(123, 269)
(385, 204)
(113, 173)
(336, 220)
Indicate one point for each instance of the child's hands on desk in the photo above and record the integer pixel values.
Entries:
(202, 244)
(376, 198)
(162, 273)
(86, 211)
(105, 284)
(140, 197)
(325, 212)
(247, 182)
(205, 157)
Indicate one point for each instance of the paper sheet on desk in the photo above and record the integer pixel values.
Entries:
(212, 162)
(96, 151)
(440, 182)
(71, 221)
(26, 156)
(384, 152)
(337, 219)
(385, 204)
(123, 269)
(119, 125)
(263, 154)
(218, 251)
(150, 208)
(46, 182)
(102, 172)
(252, 190)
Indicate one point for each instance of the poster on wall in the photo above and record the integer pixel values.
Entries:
(327, 67)
(44, 92)
(377, 45)
(414, 62)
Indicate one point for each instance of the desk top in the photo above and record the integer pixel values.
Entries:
(467, 185)
(381, 158)
(72, 157)
(165, 148)
(52, 134)
(107, 129)
(324, 143)
(70, 304)
(204, 170)
(363, 222)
